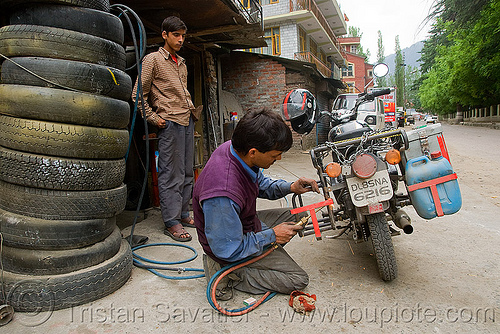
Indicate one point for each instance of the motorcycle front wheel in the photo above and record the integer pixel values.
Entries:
(382, 246)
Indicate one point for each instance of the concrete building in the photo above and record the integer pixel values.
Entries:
(305, 30)
(302, 51)
(358, 74)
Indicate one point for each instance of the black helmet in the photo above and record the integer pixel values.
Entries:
(300, 108)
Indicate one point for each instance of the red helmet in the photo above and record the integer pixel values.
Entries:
(300, 108)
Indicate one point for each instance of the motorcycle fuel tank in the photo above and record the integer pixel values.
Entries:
(352, 129)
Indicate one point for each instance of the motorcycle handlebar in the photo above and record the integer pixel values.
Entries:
(356, 141)
(380, 92)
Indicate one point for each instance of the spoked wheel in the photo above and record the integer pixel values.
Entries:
(382, 246)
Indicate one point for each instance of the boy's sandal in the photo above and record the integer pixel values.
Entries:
(180, 234)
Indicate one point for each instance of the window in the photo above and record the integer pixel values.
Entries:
(272, 36)
(323, 56)
(349, 71)
(354, 49)
(246, 3)
(302, 40)
(314, 47)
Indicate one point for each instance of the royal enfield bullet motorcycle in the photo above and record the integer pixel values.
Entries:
(359, 173)
(367, 176)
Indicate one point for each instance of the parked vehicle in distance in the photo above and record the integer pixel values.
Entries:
(410, 119)
(431, 119)
(372, 113)
(400, 118)
(343, 103)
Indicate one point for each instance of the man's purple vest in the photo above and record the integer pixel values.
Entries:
(224, 176)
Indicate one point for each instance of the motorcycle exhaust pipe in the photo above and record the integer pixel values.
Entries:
(403, 221)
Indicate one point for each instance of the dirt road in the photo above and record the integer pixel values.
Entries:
(448, 272)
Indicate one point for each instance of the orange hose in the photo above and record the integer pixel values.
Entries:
(230, 270)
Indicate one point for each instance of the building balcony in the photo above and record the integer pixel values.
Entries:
(310, 58)
(323, 22)
(312, 7)
(251, 10)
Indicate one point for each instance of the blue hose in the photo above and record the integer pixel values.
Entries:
(156, 272)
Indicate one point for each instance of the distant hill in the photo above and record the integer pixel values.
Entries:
(412, 55)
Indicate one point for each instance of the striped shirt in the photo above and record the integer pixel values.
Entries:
(164, 85)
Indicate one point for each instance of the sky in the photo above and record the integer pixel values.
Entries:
(392, 18)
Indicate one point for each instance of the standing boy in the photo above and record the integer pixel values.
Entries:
(168, 106)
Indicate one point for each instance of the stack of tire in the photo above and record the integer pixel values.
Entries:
(63, 139)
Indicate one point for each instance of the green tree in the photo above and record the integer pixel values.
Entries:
(412, 84)
(466, 68)
(462, 12)
(382, 82)
(399, 74)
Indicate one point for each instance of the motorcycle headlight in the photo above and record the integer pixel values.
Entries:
(364, 166)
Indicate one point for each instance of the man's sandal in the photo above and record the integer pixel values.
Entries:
(187, 222)
(178, 234)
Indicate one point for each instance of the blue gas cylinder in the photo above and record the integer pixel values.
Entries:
(421, 174)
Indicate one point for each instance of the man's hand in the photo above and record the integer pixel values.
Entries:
(304, 185)
(161, 123)
(285, 232)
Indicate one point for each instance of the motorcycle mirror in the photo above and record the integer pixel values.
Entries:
(380, 70)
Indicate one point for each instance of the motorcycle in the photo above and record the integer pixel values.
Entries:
(362, 182)
(368, 176)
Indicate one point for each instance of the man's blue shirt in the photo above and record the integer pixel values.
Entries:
(223, 227)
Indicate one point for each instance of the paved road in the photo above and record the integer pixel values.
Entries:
(448, 272)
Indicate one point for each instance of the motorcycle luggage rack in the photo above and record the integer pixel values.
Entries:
(318, 225)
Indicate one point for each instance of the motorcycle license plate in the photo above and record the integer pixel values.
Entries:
(371, 191)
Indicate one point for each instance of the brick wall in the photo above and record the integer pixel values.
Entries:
(256, 82)
(263, 82)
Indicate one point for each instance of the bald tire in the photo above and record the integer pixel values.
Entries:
(56, 262)
(95, 4)
(35, 233)
(63, 106)
(41, 171)
(86, 77)
(63, 140)
(40, 41)
(62, 205)
(85, 20)
(36, 293)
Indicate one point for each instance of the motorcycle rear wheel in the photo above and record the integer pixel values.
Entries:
(383, 248)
